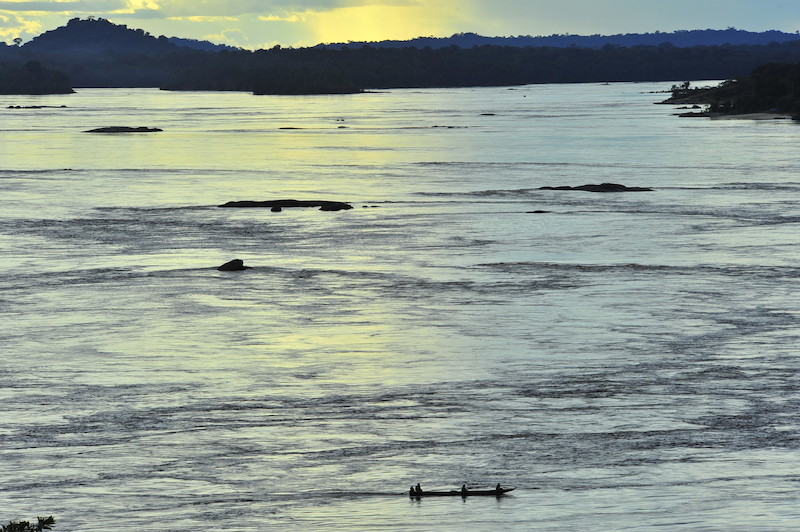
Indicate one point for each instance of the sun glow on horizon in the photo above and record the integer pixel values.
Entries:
(385, 22)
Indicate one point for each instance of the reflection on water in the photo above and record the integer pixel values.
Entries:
(626, 361)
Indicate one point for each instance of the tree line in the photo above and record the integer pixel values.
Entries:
(32, 78)
(772, 87)
(348, 70)
(97, 53)
(682, 38)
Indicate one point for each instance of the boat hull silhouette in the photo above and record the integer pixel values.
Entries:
(459, 493)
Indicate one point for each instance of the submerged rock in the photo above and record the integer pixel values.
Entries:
(234, 265)
(278, 205)
(603, 187)
(124, 129)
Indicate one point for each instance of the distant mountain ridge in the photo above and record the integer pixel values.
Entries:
(680, 39)
(95, 36)
(196, 44)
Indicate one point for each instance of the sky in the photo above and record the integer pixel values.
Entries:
(264, 23)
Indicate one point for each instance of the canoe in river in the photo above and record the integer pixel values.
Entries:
(459, 493)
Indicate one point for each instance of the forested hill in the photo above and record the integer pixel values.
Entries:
(95, 37)
(681, 39)
(95, 52)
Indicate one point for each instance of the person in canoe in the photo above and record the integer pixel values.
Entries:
(417, 489)
(498, 489)
(464, 489)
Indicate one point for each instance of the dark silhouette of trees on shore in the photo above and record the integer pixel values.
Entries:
(97, 53)
(680, 38)
(32, 78)
(346, 70)
(772, 87)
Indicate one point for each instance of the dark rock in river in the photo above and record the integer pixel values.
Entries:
(234, 265)
(603, 187)
(124, 129)
(36, 107)
(275, 205)
(698, 114)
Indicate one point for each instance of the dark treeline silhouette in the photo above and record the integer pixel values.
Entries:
(773, 87)
(92, 37)
(32, 78)
(681, 38)
(98, 53)
(277, 70)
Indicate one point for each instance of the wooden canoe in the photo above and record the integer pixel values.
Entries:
(459, 493)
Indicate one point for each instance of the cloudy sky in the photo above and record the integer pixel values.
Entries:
(264, 23)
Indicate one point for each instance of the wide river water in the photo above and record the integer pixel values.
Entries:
(626, 361)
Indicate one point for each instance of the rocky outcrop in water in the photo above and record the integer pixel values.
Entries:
(603, 187)
(234, 265)
(124, 129)
(278, 205)
(36, 107)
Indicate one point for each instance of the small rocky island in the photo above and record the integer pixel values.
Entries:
(603, 187)
(124, 129)
(235, 265)
(278, 205)
(36, 107)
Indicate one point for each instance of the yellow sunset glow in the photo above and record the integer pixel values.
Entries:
(379, 22)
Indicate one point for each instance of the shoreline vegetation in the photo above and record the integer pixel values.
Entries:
(97, 53)
(32, 78)
(771, 91)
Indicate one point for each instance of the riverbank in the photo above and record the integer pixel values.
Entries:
(768, 92)
(741, 116)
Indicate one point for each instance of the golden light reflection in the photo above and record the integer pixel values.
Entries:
(302, 343)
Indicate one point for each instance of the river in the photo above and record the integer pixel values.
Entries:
(625, 361)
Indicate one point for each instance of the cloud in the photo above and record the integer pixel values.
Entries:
(544, 17)
(243, 22)
(231, 36)
(205, 18)
(13, 26)
(67, 6)
(277, 18)
(308, 22)
(172, 8)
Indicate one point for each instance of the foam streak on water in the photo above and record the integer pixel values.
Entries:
(626, 361)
